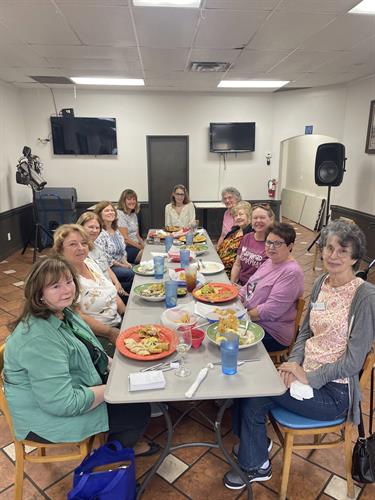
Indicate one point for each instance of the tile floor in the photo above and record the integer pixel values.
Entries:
(193, 473)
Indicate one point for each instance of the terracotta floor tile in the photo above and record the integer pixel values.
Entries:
(12, 306)
(5, 435)
(6, 471)
(205, 480)
(6, 318)
(59, 490)
(4, 332)
(260, 492)
(164, 491)
(29, 492)
(368, 492)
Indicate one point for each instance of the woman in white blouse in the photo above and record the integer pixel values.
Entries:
(180, 212)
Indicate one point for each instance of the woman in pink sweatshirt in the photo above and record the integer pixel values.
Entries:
(271, 293)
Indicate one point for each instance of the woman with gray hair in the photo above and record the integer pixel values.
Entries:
(230, 196)
(337, 333)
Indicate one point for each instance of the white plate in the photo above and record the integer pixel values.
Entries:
(211, 267)
(137, 292)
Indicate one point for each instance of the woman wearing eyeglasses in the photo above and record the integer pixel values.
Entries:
(335, 337)
(180, 212)
(271, 293)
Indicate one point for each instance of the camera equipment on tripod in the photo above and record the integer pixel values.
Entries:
(29, 170)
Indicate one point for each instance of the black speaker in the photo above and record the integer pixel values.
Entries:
(330, 164)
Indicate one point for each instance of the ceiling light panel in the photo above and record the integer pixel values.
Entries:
(252, 84)
(365, 7)
(192, 4)
(137, 82)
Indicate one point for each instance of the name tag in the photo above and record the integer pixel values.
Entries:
(318, 306)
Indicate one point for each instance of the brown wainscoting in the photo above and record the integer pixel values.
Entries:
(18, 223)
(365, 221)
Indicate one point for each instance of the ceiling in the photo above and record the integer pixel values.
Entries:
(309, 42)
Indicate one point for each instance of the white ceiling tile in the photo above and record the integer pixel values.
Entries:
(101, 25)
(35, 22)
(95, 64)
(302, 61)
(214, 55)
(258, 60)
(87, 52)
(164, 59)
(343, 33)
(23, 74)
(20, 55)
(165, 28)
(103, 72)
(86, 3)
(227, 29)
(288, 30)
(361, 60)
(336, 6)
(315, 79)
(241, 4)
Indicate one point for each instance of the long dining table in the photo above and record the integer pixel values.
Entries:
(256, 378)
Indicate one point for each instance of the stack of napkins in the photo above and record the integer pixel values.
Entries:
(146, 266)
(301, 391)
(145, 381)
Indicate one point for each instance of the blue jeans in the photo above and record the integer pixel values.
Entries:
(249, 418)
(125, 276)
(272, 344)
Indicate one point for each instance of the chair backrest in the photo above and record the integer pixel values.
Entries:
(3, 402)
(366, 370)
(300, 304)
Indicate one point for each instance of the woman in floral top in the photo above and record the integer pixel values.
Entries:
(227, 251)
(335, 337)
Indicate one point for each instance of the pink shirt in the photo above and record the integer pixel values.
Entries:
(252, 254)
(228, 222)
(329, 324)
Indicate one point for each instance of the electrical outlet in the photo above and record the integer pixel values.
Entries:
(9, 236)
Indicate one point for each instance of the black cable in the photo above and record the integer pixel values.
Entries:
(54, 101)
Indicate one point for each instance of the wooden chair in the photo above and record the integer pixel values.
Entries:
(279, 356)
(83, 447)
(294, 425)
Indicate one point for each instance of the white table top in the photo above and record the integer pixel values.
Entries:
(258, 378)
(209, 204)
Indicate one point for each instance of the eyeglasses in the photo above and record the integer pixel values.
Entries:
(275, 244)
(340, 252)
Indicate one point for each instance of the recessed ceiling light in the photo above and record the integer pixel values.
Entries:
(365, 7)
(253, 84)
(107, 81)
(194, 4)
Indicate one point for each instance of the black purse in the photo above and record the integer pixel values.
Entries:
(363, 465)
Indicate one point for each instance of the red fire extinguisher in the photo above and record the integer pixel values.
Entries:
(272, 188)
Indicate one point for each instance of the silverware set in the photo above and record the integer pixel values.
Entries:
(166, 366)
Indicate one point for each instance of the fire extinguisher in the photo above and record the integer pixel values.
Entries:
(272, 188)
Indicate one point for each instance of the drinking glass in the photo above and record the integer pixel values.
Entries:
(183, 334)
(168, 243)
(189, 237)
(194, 226)
(184, 258)
(229, 353)
(158, 267)
(170, 293)
(191, 277)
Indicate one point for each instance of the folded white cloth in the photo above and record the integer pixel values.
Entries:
(301, 391)
(146, 265)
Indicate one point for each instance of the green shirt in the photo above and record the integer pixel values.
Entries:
(48, 372)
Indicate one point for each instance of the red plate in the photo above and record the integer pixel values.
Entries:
(166, 334)
(226, 292)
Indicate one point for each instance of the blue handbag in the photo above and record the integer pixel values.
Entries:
(108, 473)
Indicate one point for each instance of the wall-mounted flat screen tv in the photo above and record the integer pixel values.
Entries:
(232, 137)
(84, 136)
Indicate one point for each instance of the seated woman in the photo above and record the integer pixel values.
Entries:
(227, 251)
(335, 337)
(91, 223)
(230, 196)
(127, 210)
(99, 304)
(111, 241)
(180, 212)
(252, 250)
(271, 293)
(55, 369)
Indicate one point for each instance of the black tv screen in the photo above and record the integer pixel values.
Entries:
(232, 137)
(84, 136)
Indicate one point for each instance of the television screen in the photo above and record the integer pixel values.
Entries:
(83, 136)
(232, 137)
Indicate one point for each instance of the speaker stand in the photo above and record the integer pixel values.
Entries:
(328, 206)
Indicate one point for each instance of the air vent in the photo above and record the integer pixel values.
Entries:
(53, 80)
(209, 67)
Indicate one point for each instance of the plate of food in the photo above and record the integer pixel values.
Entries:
(153, 292)
(197, 248)
(179, 316)
(157, 233)
(216, 332)
(172, 229)
(210, 267)
(216, 292)
(198, 238)
(145, 268)
(216, 313)
(178, 275)
(146, 342)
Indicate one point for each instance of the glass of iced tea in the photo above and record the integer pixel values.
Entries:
(191, 277)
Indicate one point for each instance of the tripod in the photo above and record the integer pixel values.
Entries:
(36, 231)
(326, 219)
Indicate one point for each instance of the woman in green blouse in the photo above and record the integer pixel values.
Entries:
(55, 369)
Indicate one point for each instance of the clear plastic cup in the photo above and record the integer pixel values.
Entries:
(184, 258)
(229, 353)
(159, 267)
(168, 243)
(189, 238)
(191, 277)
(170, 293)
